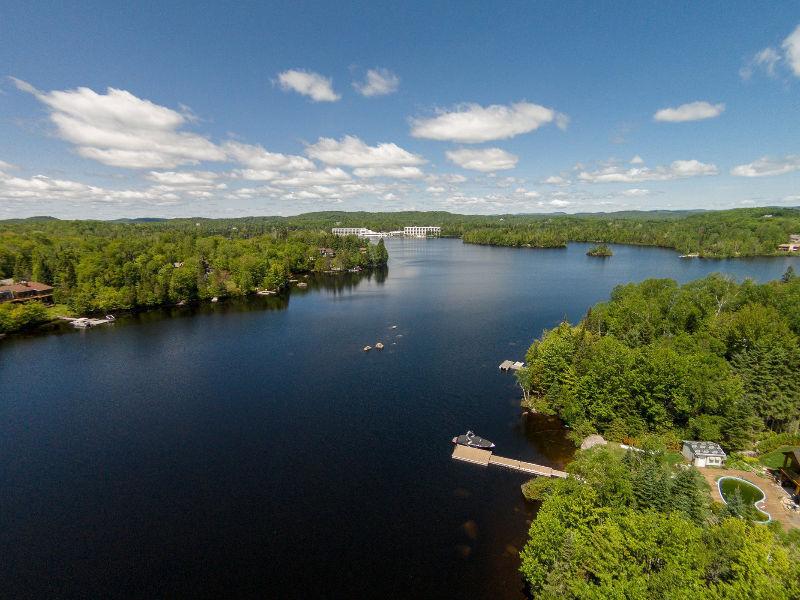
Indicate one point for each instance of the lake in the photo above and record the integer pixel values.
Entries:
(251, 448)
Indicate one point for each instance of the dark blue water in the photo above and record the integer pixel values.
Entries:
(253, 449)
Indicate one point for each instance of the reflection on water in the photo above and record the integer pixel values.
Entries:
(251, 448)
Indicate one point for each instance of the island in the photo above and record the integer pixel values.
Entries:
(601, 250)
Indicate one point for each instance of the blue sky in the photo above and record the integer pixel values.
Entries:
(191, 109)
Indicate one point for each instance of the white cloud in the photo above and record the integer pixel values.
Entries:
(526, 193)
(308, 83)
(121, 130)
(329, 175)
(637, 160)
(256, 157)
(636, 192)
(256, 174)
(560, 203)
(791, 49)
(485, 160)
(379, 82)
(177, 178)
(556, 180)
(472, 123)
(765, 166)
(693, 111)
(435, 189)
(399, 172)
(678, 169)
(4, 166)
(768, 59)
(350, 151)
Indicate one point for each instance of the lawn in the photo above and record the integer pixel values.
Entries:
(774, 459)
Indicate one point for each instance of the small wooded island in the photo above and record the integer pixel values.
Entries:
(601, 250)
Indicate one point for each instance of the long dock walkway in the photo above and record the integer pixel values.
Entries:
(486, 457)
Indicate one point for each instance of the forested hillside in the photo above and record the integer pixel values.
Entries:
(97, 266)
(713, 360)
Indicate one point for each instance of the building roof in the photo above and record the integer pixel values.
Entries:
(25, 287)
(705, 448)
(795, 453)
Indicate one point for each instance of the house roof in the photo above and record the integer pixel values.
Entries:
(795, 453)
(705, 448)
(25, 287)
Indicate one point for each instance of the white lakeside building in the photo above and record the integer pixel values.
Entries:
(413, 231)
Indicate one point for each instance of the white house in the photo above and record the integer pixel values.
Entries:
(703, 454)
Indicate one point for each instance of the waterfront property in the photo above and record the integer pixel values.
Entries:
(702, 454)
(483, 457)
(413, 231)
(23, 291)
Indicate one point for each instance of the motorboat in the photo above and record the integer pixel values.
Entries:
(472, 440)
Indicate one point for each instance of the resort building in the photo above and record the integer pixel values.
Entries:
(415, 231)
(789, 247)
(24, 291)
(703, 454)
(363, 232)
(359, 231)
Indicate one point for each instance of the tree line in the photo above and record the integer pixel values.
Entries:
(711, 360)
(101, 266)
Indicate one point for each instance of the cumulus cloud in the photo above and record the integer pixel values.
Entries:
(769, 59)
(637, 160)
(556, 180)
(693, 111)
(559, 203)
(329, 175)
(4, 166)
(472, 123)
(393, 172)
(122, 130)
(766, 60)
(765, 166)
(308, 83)
(636, 192)
(526, 193)
(791, 51)
(256, 157)
(177, 178)
(350, 151)
(679, 169)
(41, 188)
(378, 82)
(486, 160)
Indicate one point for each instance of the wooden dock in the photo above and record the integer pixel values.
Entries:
(486, 457)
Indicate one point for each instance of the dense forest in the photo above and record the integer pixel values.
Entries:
(712, 360)
(99, 266)
(717, 234)
(630, 525)
(729, 233)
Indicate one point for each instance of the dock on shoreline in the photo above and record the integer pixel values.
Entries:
(482, 457)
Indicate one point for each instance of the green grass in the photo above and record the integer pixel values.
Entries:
(774, 459)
